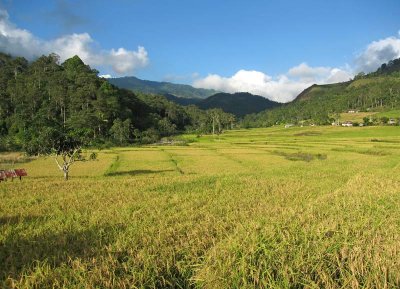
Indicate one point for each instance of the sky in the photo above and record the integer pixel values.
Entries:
(273, 48)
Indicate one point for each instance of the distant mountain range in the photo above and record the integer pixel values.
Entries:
(379, 90)
(163, 88)
(238, 104)
(183, 100)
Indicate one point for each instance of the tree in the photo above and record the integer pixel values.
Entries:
(54, 141)
(121, 131)
(215, 115)
(166, 127)
(359, 75)
(384, 119)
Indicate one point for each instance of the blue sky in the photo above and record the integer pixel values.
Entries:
(227, 45)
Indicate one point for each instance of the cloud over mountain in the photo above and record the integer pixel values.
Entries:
(285, 87)
(21, 42)
(282, 88)
(378, 52)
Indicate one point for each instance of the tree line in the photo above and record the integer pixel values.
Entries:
(45, 105)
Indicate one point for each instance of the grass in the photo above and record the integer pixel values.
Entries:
(359, 116)
(300, 156)
(313, 207)
(355, 116)
(389, 114)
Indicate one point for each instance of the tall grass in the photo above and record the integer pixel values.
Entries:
(240, 215)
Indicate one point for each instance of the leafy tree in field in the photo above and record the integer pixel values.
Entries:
(166, 127)
(64, 146)
(121, 131)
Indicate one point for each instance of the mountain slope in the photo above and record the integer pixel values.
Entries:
(363, 92)
(182, 100)
(374, 92)
(239, 104)
(164, 88)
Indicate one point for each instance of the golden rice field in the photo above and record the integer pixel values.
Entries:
(315, 207)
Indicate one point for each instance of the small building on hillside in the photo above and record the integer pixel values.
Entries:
(347, 123)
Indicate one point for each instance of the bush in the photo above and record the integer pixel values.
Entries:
(9, 143)
(149, 136)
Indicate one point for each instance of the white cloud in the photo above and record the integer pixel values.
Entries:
(283, 88)
(123, 60)
(378, 52)
(105, 76)
(286, 87)
(307, 73)
(21, 42)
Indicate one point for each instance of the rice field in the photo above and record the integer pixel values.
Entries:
(311, 207)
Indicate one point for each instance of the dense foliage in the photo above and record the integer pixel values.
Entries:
(239, 104)
(318, 104)
(183, 100)
(44, 103)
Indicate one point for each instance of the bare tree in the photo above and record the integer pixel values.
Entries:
(68, 158)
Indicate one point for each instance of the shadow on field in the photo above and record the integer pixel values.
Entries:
(136, 172)
(12, 220)
(19, 254)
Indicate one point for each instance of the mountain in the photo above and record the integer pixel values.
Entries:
(391, 67)
(181, 100)
(164, 88)
(374, 92)
(239, 104)
(363, 92)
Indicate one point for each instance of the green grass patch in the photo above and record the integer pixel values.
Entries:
(112, 170)
(301, 156)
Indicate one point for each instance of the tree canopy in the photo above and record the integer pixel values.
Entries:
(45, 104)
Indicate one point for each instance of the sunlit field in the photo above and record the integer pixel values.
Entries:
(312, 207)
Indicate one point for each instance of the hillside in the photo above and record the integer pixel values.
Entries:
(182, 100)
(164, 88)
(239, 104)
(44, 99)
(321, 104)
(364, 92)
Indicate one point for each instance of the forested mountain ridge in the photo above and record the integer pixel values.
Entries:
(377, 91)
(366, 84)
(162, 88)
(42, 98)
(181, 100)
(239, 104)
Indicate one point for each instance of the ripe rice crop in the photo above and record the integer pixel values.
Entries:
(229, 212)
